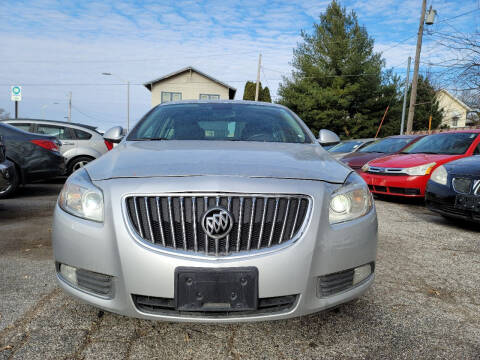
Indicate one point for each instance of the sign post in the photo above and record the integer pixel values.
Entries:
(16, 95)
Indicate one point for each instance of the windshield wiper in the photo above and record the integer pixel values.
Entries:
(151, 139)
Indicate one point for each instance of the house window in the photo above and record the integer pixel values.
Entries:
(209, 97)
(455, 121)
(171, 96)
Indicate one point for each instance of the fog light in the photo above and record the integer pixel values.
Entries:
(361, 273)
(69, 273)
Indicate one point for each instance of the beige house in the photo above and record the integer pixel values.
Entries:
(188, 84)
(454, 110)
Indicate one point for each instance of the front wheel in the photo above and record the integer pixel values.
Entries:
(78, 163)
(12, 186)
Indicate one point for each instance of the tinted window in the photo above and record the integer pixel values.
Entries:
(22, 126)
(82, 135)
(449, 144)
(348, 146)
(223, 121)
(388, 145)
(60, 132)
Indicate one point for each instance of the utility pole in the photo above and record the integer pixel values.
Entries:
(70, 106)
(128, 106)
(405, 92)
(258, 77)
(413, 95)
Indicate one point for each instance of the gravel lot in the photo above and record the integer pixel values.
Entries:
(425, 302)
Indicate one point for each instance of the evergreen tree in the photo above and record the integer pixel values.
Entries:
(337, 82)
(249, 92)
(265, 95)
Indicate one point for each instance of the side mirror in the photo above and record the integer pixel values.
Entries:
(114, 135)
(327, 137)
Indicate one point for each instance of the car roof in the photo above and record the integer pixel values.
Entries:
(413, 136)
(89, 127)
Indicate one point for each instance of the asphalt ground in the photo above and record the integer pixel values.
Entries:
(425, 302)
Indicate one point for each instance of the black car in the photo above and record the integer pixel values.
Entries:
(29, 157)
(6, 168)
(454, 189)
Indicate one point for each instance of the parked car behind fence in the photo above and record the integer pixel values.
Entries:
(80, 143)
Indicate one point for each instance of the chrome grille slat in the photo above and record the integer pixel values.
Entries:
(240, 220)
(252, 219)
(272, 231)
(296, 217)
(172, 226)
(137, 214)
(160, 221)
(194, 221)
(182, 216)
(149, 221)
(284, 222)
(227, 241)
(260, 221)
(262, 224)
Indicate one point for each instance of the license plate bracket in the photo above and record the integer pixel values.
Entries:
(468, 202)
(223, 289)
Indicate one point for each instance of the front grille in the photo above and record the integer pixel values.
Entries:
(394, 190)
(166, 306)
(259, 221)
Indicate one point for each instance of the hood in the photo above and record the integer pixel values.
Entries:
(357, 160)
(218, 158)
(411, 160)
(466, 166)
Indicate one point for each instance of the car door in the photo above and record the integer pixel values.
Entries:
(62, 133)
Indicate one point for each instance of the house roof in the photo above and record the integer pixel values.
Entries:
(149, 84)
(468, 108)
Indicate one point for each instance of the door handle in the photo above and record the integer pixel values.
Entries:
(67, 143)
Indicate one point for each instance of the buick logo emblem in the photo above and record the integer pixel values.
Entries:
(217, 222)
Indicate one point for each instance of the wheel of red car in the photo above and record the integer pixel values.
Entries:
(78, 163)
(10, 189)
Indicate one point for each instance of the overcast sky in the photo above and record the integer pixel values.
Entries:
(51, 47)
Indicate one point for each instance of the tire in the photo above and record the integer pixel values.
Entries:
(13, 186)
(78, 163)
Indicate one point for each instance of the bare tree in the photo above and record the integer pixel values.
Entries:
(4, 114)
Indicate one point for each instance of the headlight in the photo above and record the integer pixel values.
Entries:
(420, 170)
(351, 201)
(440, 175)
(365, 167)
(81, 198)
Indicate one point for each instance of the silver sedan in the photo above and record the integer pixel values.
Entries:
(216, 212)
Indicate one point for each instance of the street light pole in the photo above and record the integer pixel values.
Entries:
(128, 96)
(128, 106)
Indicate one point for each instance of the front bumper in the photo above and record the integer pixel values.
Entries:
(138, 269)
(397, 185)
(5, 171)
(441, 199)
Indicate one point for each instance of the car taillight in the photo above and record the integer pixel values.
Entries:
(109, 145)
(46, 144)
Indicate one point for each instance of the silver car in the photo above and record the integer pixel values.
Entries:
(80, 143)
(216, 212)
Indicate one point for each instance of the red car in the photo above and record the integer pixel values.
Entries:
(382, 147)
(407, 173)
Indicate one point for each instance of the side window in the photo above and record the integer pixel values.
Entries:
(59, 132)
(22, 126)
(82, 135)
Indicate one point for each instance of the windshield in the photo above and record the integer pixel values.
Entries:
(386, 146)
(220, 121)
(449, 144)
(345, 147)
